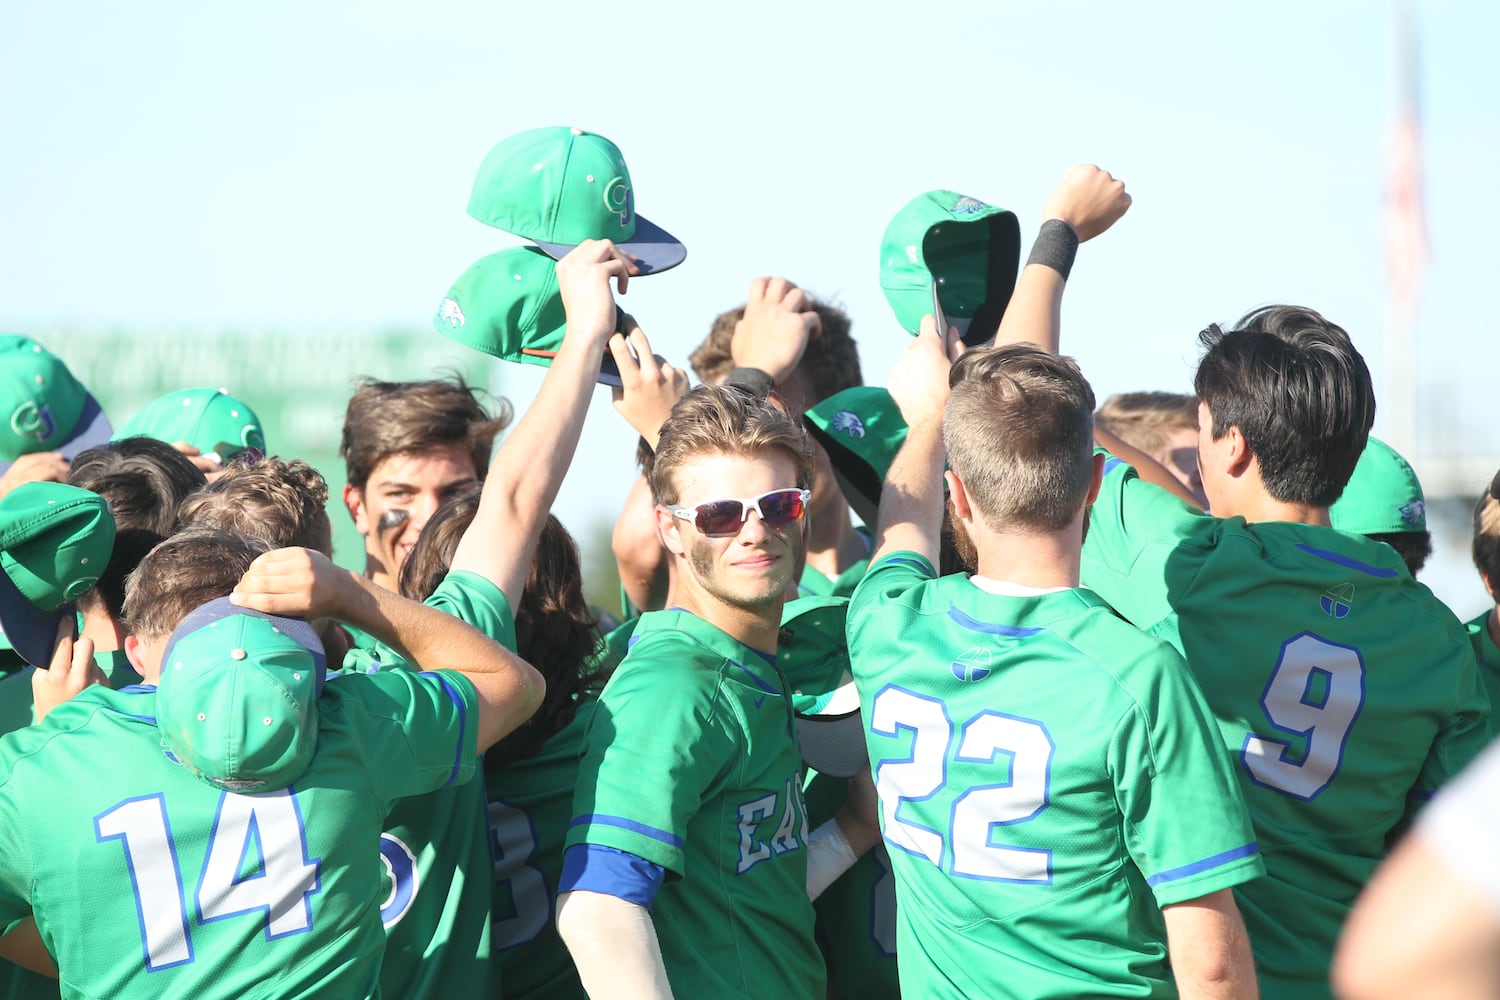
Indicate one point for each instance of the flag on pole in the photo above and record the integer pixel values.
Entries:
(1406, 246)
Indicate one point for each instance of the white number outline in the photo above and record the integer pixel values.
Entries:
(987, 854)
(1266, 760)
(178, 938)
(910, 840)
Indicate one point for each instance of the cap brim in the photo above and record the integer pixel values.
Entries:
(93, 429)
(653, 248)
(833, 744)
(30, 631)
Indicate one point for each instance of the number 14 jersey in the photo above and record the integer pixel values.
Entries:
(1048, 779)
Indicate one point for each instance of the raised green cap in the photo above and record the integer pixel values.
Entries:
(237, 700)
(1383, 495)
(813, 655)
(861, 429)
(971, 250)
(42, 406)
(210, 420)
(560, 186)
(55, 540)
(506, 305)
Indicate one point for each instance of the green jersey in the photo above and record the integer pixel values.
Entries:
(1488, 655)
(530, 806)
(1344, 692)
(436, 847)
(147, 882)
(1047, 781)
(691, 763)
(17, 983)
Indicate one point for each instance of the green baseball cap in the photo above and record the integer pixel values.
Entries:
(560, 186)
(210, 420)
(507, 305)
(861, 429)
(42, 406)
(237, 700)
(958, 249)
(55, 540)
(1383, 495)
(814, 657)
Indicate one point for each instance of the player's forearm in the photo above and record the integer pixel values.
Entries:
(639, 556)
(528, 470)
(911, 501)
(1034, 313)
(614, 946)
(509, 689)
(1210, 950)
(23, 946)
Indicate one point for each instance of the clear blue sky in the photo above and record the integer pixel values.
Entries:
(306, 165)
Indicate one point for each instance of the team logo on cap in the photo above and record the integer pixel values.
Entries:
(618, 199)
(31, 420)
(1336, 601)
(848, 423)
(968, 206)
(1414, 513)
(972, 665)
(450, 313)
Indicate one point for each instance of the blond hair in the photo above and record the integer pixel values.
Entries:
(718, 420)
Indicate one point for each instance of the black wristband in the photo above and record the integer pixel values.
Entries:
(1056, 246)
(751, 381)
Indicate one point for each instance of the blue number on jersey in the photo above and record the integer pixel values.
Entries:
(980, 809)
(1313, 698)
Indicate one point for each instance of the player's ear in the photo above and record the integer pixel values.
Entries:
(354, 500)
(959, 495)
(1236, 451)
(1096, 479)
(667, 531)
(133, 654)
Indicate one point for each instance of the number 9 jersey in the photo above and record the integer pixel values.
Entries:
(1048, 779)
(1344, 691)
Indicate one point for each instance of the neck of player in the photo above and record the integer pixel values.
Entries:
(755, 626)
(1040, 559)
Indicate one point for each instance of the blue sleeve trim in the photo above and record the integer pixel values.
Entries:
(1173, 874)
(899, 560)
(463, 723)
(1111, 463)
(627, 876)
(671, 840)
(988, 628)
(1347, 563)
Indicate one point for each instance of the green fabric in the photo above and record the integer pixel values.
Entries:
(1295, 617)
(555, 185)
(814, 584)
(1488, 656)
(690, 763)
(209, 419)
(861, 429)
(15, 690)
(55, 540)
(383, 737)
(506, 305)
(1383, 495)
(1047, 783)
(438, 937)
(40, 400)
(970, 249)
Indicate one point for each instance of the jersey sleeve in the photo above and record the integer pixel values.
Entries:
(1185, 822)
(1463, 738)
(1135, 529)
(416, 731)
(658, 743)
(885, 581)
(476, 600)
(15, 868)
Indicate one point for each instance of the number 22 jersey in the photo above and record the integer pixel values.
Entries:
(1048, 779)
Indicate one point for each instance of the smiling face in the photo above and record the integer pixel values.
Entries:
(400, 496)
(749, 570)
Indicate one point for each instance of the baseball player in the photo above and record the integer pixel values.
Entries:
(1058, 822)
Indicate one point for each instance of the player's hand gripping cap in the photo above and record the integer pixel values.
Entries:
(238, 696)
(55, 540)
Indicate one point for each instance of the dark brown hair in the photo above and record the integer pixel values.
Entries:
(284, 503)
(183, 573)
(830, 364)
(399, 418)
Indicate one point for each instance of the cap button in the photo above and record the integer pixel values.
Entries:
(267, 720)
(201, 717)
(576, 131)
(187, 402)
(236, 654)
